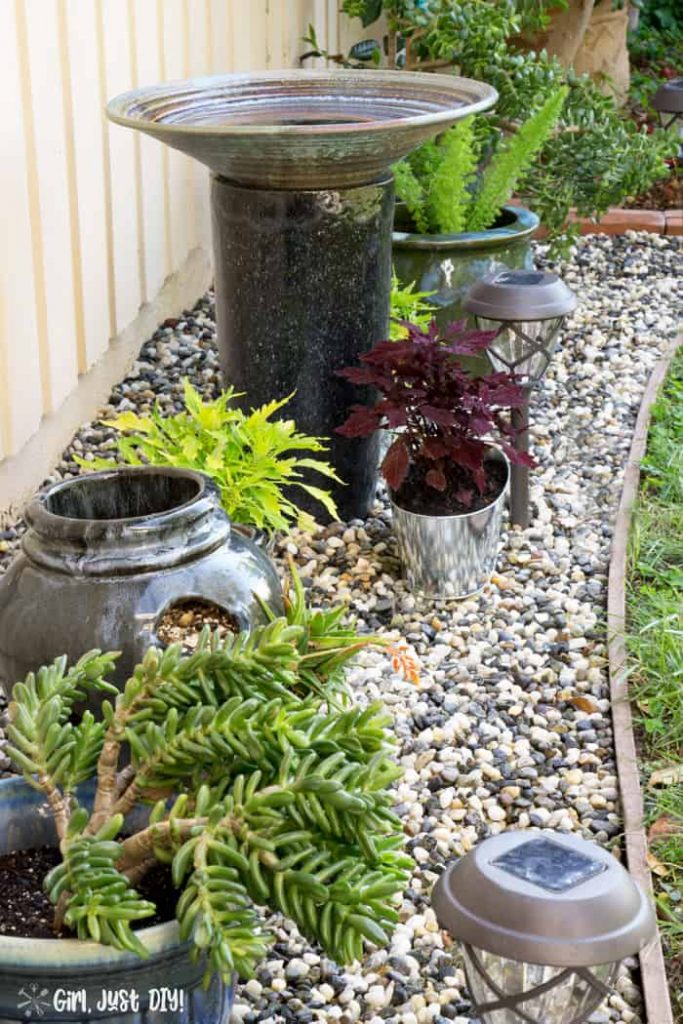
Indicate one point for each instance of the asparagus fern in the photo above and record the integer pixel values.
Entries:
(512, 160)
(267, 786)
(440, 184)
(450, 189)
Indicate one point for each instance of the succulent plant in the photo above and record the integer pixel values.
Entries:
(266, 786)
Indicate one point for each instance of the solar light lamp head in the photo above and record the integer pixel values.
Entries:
(544, 920)
(527, 309)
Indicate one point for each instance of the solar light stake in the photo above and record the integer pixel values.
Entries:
(544, 920)
(527, 309)
(519, 475)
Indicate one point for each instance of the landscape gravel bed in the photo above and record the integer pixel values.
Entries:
(509, 726)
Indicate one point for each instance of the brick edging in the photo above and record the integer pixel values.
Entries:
(617, 221)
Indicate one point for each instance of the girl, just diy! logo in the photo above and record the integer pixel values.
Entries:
(37, 1001)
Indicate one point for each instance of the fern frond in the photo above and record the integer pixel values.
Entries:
(411, 192)
(512, 160)
(408, 305)
(449, 194)
(425, 159)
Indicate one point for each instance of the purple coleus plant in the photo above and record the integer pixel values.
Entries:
(445, 417)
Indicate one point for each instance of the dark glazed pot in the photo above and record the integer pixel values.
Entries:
(60, 981)
(302, 290)
(108, 553)
(449, 264)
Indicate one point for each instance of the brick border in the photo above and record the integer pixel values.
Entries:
(653, 970)
(617, 221)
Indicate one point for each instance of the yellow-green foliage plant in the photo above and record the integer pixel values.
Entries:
(442, 187)
(408, 305)
(251, 457)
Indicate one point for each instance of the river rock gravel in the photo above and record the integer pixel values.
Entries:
(509, 726)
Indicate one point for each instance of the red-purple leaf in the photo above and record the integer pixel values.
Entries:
(444, 417)
(363, 420)
(518, 458)
(357, 374)
(479, 477)
(480, 423)
(396, 464)
(436, 478)
(465, 342)
(434, 448)
(447, 417)
(394, 415)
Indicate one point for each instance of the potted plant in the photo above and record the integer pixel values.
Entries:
(597, 156)
(257, 462)
(447, 469)
(108, 556)
(453, 224)
(252, 780)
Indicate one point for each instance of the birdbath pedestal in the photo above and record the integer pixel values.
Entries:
(302, 208)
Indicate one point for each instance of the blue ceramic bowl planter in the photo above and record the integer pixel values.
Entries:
(67, 981)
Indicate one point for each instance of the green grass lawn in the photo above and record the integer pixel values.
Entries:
(655, 610)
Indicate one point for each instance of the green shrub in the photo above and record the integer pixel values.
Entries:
(407, 304)
(656, 55)
(665, 15)
(251, 456)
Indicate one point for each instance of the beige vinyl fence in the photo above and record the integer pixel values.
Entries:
(104, 232)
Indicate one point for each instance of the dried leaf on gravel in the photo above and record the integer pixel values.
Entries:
(580, 701)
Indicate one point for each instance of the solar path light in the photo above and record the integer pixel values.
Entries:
(544, 919)
(668, 102)
(527, 309)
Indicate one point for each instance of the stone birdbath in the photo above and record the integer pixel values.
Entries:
(302, 202)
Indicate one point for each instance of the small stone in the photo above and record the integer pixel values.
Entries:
(376, 997)
(496, 813)
(296, 969)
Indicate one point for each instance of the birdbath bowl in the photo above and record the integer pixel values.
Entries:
(302, 199)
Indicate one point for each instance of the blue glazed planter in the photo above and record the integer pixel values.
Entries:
(62, 980)
(448, 265)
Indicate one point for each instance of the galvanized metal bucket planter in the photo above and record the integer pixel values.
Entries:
(107, 554)
(451, 556)
(449, 264)
(61, 981)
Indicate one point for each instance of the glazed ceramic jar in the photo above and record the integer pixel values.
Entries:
(107, 554)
